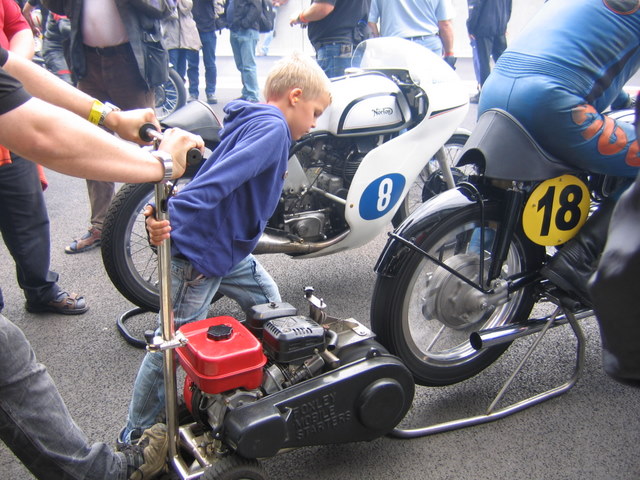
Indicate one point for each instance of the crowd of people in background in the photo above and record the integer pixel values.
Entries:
(334, 27)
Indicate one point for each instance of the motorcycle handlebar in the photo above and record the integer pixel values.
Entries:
(149, 133)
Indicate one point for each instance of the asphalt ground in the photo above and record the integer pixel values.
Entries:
(591, 432)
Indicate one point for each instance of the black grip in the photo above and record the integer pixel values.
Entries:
(148, 133)
(194, 156)
(146, 130)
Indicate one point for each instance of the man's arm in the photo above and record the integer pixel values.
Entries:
(17, 30)
(58, 139)
(46, 86)
(446, 36)
(316, 11)
(22, 44)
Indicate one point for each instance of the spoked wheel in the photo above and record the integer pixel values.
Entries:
(425, 314)
(421, 189)
(129, 260)
(131, 264)
(234, 467)
(170, 96)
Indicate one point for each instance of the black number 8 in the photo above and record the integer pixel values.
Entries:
(570, 198)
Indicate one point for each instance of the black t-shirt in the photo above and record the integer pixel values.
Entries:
(12, 93)
(339, 25)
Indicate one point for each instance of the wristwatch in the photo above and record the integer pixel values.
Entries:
(107, 108)
(167, 162)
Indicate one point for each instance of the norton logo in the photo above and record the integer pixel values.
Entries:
(622, 7)
(382, 111)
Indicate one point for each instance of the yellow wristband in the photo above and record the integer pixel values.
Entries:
(96, 112)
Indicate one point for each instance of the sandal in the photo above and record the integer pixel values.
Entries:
(89, 241)
(65, 303)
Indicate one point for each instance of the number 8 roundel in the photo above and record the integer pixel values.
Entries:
(556, 210)
(381, 195)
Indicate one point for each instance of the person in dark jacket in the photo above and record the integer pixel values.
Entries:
(205, 15)
(117, 55)
(487, 27)
(242, 20)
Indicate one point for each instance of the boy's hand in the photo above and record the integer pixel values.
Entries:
(158, 230)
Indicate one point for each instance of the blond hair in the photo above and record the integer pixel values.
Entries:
(296, 71)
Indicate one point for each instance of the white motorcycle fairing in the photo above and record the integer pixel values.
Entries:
(387, 172)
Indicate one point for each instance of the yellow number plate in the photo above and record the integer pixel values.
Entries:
(556, 210)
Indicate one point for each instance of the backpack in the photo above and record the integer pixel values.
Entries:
(266, 22)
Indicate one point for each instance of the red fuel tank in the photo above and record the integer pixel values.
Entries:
(222, 354)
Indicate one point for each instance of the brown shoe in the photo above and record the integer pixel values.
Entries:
(65, 303)
(88, 241)
(148, 456)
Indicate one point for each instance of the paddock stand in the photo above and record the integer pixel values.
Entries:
(484, 339)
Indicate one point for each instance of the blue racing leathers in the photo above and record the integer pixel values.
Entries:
(562, 71)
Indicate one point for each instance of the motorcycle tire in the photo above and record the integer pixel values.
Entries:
(425, 315)
(170, 96)
(420, 191)
(129, 261)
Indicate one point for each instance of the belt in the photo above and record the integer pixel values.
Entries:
(324, 44)
(422, 37)
(109, 51)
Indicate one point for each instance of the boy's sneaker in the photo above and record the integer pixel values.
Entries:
(148, 456)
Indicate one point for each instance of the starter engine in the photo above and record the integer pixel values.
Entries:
(284, 380)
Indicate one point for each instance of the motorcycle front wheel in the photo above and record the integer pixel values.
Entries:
(129, 260)
(425, 315)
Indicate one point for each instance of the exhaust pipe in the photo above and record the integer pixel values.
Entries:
(270, 243)
(508, 333)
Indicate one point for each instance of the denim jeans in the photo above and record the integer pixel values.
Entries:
(35, 423)
(209, 41)
(243, 44)
(334, 58)
(178, 59)
(248, 284)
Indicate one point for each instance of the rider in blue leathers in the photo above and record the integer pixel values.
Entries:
(557, 77)
(562, 71)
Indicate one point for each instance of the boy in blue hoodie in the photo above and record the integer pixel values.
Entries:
(218, 218)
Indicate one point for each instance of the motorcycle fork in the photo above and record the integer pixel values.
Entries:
(513, 202)
(513, 208)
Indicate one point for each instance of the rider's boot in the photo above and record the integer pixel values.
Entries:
(571, 268)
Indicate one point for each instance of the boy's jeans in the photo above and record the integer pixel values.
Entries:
(35, 423)
(248, 284)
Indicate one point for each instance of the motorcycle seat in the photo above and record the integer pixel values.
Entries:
(504, 150)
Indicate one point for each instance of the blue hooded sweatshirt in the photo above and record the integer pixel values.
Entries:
(218, 218)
